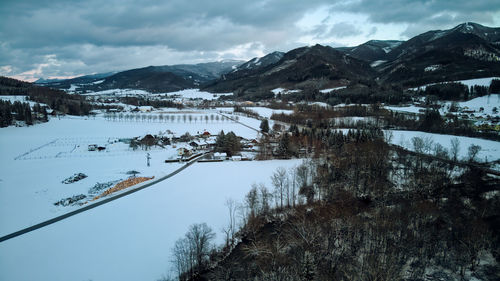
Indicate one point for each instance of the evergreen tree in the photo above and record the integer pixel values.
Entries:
(264, 126)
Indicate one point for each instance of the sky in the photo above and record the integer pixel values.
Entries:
(63, 39)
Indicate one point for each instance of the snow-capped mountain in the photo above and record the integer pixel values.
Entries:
(315, 66)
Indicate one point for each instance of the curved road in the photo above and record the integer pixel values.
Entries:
(99, 203)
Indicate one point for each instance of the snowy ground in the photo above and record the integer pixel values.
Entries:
(408, 109)
(196, 94)
(326, 91)
(36, 159)
(284, 91)
(267, 112)
(490, 150)
(131, 238)
(120, 93)
(487, 103)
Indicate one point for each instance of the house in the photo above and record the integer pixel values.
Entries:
(184, 152)
(92, 147)
(236, 158)
(206, 134)
(198, 144)
(220, 155)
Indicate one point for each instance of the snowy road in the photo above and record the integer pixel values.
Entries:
(98, 203)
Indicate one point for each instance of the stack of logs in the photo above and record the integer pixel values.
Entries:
(122, 185)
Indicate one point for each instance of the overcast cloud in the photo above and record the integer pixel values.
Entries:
(67, 38)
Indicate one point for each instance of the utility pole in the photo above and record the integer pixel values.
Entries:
(148, 157)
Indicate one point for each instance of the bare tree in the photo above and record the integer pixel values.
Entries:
(472, 152)
(455, 148)
(230, 229)
(265, 198)
(418, 144)
(440, 151)
(279, 180)
(181, 254)
(252, 201)
(200, 237)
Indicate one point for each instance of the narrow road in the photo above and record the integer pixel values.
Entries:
(99, 203)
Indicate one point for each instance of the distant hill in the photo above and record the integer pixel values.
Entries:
(56, 99)
(307, 67)
(166, 78)
(66, 83)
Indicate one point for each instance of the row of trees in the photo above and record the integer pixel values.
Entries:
(151, 117)
(455, 91)
(21, 112)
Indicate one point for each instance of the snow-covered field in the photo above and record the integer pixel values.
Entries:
(267, 112)
(50, 152)
(486, 103)
(490, 150)
(408, 109)
(119, 93)
(127, 239)
(131, 238)
(197, 94)
(284, 91)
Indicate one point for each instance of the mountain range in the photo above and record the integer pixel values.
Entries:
(468, 50)
(167, 78)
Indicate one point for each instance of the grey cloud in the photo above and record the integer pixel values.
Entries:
(422, 15)
(94, 35)
(344, 29)
(339, 30)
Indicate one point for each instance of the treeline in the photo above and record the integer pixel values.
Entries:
(362, 211)
(17, 111)
(57, 100)
(358, 94)
(456, 91)
(138, 101)
(317, 116)
(299, 143)
(495, 86)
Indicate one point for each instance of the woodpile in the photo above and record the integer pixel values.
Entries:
(122, 185)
